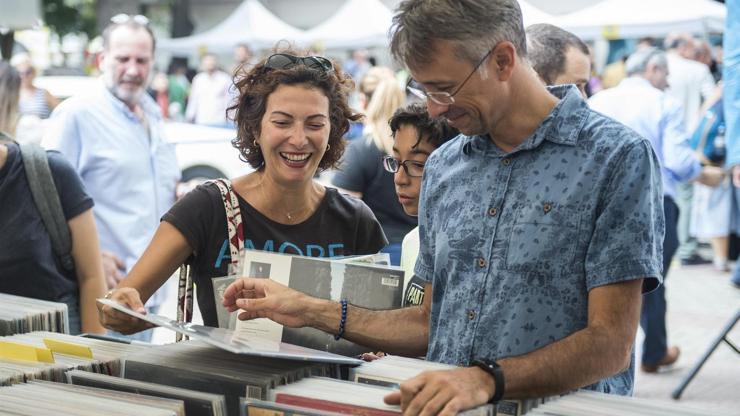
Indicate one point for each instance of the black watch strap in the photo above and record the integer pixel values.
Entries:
(491, 367)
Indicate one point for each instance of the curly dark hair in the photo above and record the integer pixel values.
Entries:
(436, 131)
(256, 85)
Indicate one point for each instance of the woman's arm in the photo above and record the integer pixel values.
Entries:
(89, 268)
(165, 253)
(51, 100)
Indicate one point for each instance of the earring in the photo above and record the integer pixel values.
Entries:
(256, 143)
(328, 146)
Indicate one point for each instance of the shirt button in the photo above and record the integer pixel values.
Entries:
(506, 162)
(471, 314)
(481, 262)
(492, 212)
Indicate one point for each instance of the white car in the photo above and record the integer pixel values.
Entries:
(203, 152)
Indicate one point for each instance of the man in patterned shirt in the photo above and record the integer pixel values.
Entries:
(540, 227)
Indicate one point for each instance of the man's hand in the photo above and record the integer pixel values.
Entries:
(119, 321)
(265, 298)
(445, 392)
(711, 176)
(113, 268)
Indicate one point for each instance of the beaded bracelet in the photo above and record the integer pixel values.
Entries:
(342, 321)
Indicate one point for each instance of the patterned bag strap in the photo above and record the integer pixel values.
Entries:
(235, 232)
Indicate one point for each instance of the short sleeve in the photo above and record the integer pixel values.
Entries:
(370, 236)
(193, 215)
(425, 261)
(627, 241)
(72, 194)
(352, 173)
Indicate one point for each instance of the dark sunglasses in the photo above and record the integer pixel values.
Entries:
(285, 61)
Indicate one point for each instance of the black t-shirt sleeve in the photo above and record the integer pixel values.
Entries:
(194, 214)
(72, 194)
(370, 236)
(353, 173)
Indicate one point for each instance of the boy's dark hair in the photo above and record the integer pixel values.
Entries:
(436, 131)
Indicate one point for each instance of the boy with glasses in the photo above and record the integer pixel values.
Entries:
(416, 136)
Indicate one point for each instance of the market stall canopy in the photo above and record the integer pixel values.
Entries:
(357, 24)
(251, 23)
(18, 15)
(533, 15)
(614, 19)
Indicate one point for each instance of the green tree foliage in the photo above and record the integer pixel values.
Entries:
(71, 16)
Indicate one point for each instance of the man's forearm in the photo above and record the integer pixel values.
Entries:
(399, 331)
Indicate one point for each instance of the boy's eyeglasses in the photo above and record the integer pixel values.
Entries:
(123, 18)
(413, 168)
(285, 61)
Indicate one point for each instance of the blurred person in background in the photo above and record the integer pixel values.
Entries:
(689, 83)
(291, 115)
(731, 97)
(159, 91)
(639, 102)
(28, 264)
(361, 172)
(357, 65)
(712, 206)
(210, 94)
(558, 56)
(114, 138)
(34, 101)
(178, 88)
(242, 58)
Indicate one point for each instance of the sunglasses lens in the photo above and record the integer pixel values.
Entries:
(280, 61)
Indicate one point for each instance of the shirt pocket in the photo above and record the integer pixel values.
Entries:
(543, 238)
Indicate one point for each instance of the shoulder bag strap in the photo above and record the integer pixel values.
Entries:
(47, 201)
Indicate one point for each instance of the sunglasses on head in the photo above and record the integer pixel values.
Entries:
(285, 61)
(123, 18)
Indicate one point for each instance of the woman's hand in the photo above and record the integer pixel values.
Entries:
(119, 321)
(265, 298)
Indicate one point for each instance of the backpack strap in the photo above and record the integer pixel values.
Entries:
(235, 232)
(47, 201)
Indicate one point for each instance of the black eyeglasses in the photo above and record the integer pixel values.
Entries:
(413, 168)
(123, 18)
(285, 61)
(443, 97)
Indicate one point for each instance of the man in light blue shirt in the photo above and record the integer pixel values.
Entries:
(731, 94)
(640, 103)
(113, 136)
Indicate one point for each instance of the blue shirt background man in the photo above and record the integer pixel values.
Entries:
(113, 136)
(640, 103)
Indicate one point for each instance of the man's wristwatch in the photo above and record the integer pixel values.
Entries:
(491, 367)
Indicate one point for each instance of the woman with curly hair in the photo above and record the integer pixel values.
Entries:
(291, 115)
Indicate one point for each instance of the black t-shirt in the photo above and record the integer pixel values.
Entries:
(340, 226)
(362, 170)
(28, 265)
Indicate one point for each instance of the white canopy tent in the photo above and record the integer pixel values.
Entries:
(251, 23)
(357, 24)
(613, 19)
(533, 15)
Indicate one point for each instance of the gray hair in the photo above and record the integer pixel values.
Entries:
(639, 61)
(546, 49)
(131, 24)
(474, 26)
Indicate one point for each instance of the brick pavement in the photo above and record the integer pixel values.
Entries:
(700, 302)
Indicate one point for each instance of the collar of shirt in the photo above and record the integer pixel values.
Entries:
(561, 126)
(147, 104)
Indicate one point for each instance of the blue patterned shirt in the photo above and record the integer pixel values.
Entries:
(513, 242)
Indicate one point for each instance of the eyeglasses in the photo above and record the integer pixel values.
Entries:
(123, 18)
(413, 168)
(443, 97)
(285, 61)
